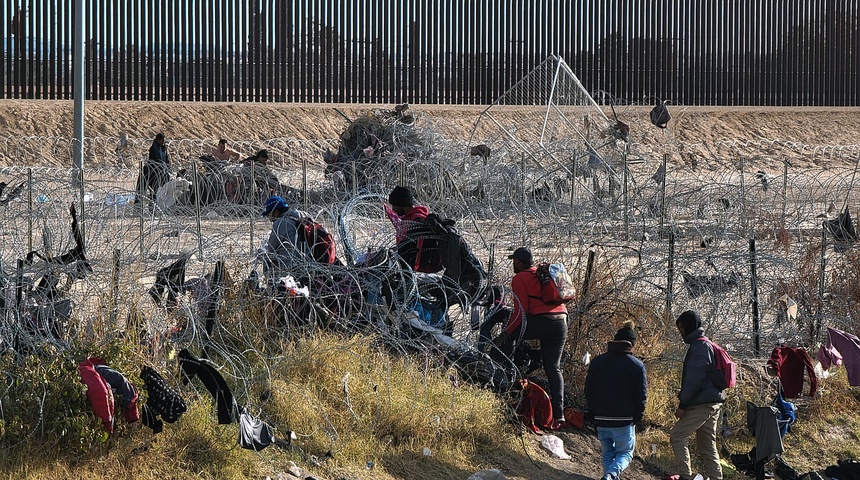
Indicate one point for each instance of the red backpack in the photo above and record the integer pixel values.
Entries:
(535, 407)
(319, 240)
(724, 374)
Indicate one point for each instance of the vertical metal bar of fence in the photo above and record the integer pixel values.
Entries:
(197, 210)
(663, 195)
(29, 209)
(670, 277)
(114, 308)
(754, 288)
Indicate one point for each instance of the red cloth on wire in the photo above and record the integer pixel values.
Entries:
(789, 364)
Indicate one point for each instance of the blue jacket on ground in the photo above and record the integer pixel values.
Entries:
(615, 387)
(697, 388)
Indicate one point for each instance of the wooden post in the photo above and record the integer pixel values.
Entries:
(754, 285)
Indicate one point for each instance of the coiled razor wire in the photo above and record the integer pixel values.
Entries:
(617, 229)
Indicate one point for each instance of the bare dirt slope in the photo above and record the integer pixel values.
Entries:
(692, 130)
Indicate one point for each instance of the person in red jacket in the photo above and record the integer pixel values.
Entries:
(532, 319)
(415, 241)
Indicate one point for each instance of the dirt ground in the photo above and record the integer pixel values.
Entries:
(693, 131)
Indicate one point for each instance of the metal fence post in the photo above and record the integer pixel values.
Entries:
(784, 189)
(815, 334)
(140, 204)
(197, 210)
(304, 183)
(114, 310)
(29, 209)
(523, 199)
(670, 277)
(624, 193)
(663, 196)
(754, 286)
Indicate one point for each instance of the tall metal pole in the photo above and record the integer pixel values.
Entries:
(670, 277)
(78, 143)
(755, 312)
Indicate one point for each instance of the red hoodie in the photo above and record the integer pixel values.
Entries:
(789, 364)
(402, 225)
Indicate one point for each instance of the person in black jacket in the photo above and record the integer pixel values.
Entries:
(699, 401)
(616, 392)
(155, 171)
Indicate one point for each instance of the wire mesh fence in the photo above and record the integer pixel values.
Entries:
(644, 240)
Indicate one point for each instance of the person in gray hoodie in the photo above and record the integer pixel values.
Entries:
(282, 250)
(616, 392)
(699, 401)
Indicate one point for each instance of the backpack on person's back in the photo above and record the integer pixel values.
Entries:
(320, 242)
(556, 284)
(461, 264)
(724, 374)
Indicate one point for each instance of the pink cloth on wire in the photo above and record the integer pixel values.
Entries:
(842, 348)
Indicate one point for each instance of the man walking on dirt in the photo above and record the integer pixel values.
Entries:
(699, 402)
(616, 391)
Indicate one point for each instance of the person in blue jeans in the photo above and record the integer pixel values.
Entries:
(616, 392)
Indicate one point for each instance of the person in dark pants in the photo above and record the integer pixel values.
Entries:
(616, 392)
(156, 169)
(544, 322)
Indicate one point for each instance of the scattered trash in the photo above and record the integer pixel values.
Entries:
(427, 452)
(555, 446)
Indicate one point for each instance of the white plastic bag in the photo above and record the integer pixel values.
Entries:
(555, 446)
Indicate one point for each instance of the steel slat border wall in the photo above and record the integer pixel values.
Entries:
(695, 52)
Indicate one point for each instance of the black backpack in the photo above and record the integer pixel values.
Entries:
(444, 244)
(660, 115)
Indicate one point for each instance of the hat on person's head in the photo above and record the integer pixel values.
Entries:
(263, 154)
(401, 197)
(272, 203)
(522, 254)
(627, 333)
(690, 320)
